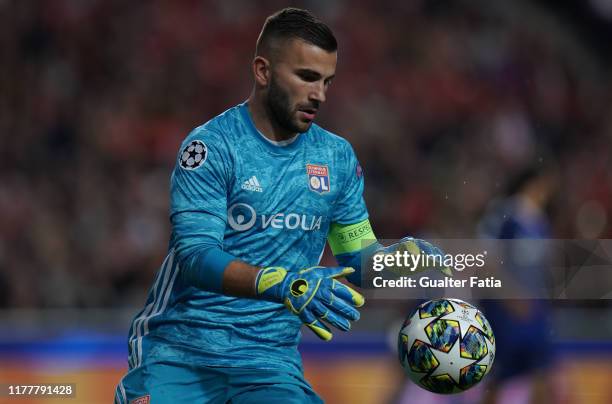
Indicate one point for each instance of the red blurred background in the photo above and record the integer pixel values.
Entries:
(444, 103)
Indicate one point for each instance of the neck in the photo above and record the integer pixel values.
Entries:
(263, 120)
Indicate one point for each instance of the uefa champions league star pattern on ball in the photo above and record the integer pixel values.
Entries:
(446, 346)
(193, 155)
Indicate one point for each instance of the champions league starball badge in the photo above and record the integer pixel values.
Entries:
(193, 155)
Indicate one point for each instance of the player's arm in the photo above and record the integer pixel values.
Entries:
(354, 245)
(313, 294)
(198, 213)
(239, 279)
(351, 238)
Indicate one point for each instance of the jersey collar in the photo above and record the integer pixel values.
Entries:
(276, 147)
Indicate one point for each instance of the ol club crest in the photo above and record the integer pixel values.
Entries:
(318, 178)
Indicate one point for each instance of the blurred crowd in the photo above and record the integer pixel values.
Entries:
(443, 103)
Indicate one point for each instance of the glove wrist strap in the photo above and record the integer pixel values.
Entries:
(268, 282)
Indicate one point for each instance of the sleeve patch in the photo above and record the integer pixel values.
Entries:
(193, 155)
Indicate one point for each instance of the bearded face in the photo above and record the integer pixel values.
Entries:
(285, 112)
(299, 78)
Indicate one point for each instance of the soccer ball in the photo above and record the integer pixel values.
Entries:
(446, 346)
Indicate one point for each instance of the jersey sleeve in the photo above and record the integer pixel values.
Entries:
(198, 207)
(201, 177)
(350, 208)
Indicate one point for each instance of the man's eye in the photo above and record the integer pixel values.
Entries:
(309, 77)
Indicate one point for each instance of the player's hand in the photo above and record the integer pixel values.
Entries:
(418, 247)
(313, 294)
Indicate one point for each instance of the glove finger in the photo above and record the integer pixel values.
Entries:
(344, 309)
(447, 271)
(410, 246)
(327, 314)
(334, 272)
(311, 269)
(341, 307)
(347, 293)
(417, 247)
(431, 250)
(414, 247)
(316, 325)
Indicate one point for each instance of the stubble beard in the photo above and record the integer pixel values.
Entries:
(279, 110)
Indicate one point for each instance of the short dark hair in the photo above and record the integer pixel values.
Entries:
(295, 23)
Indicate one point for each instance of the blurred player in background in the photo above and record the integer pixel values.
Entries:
(255, 195)
(519, 324)
(523, 356)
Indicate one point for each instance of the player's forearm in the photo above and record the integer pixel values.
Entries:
(210, 268)
(239, 279)
(353, 244)
(356, 259)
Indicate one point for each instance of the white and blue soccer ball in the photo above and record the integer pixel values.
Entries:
(446, 346)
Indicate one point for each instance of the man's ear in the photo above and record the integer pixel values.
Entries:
(261, 71)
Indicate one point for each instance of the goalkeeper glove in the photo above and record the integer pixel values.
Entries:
(416, 247)
(313, 294)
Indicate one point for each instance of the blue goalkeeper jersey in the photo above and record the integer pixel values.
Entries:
(266, 203)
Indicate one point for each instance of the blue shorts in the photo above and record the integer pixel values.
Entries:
(165, 381)
(523, 344)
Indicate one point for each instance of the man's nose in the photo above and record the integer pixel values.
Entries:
(318, 92)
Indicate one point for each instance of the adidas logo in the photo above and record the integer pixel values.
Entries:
(252, 185)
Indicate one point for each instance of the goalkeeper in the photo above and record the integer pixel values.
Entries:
(255, 194)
